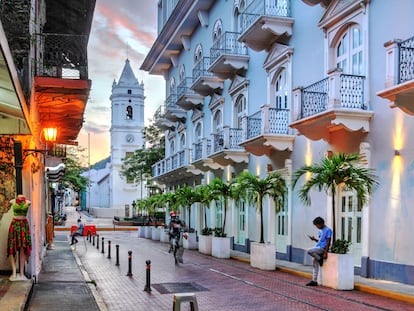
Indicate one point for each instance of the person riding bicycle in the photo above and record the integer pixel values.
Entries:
(176, 227)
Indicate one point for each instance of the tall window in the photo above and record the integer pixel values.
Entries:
(217, 121)
(182, 142)
(182, 72)
(240, 109)
(237, 17)
(217, 30)
(197, 133)
(349, 52)
(281, 91)
(172, 147)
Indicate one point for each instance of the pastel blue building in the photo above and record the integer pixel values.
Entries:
(272, 85)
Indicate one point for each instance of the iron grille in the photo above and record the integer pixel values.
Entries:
(227, 44)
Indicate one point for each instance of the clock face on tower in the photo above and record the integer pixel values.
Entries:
(129, 138)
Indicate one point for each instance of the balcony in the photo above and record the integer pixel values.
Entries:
(228, 56)
(188, 99)
(173, 112)
(225, 147)
(205, 82)
(267, 131)
(332, 106)
(161, 121)
(61, 85)
(265, 22)
(200, 159)
(173, 168)
(399, 84)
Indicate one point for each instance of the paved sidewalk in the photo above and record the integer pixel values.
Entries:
(61, 284)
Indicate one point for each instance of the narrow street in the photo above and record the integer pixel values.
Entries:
(219, 284)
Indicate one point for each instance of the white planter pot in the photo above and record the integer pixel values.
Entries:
(191, 241)
(220, 247)
(205, 244)
(263, 256)
(141, 232)
(164, 237)
(155, 234)
(148, 232)
(337, 272)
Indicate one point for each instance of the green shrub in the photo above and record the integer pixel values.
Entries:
(218, 232)
(207, 231)
(340, 246)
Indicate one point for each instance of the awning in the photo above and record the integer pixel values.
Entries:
(55, 173)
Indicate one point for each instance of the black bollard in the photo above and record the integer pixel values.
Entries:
(97, 241)
(148, 285)
(109, 249)
(129, 263)
(103, 246)
(117, 255)
(93, 240)
(89, 235)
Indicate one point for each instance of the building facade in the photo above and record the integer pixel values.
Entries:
(265, 86)
(44, 85)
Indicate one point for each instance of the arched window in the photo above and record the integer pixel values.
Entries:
(198, 53)
(197, 132)
(172, 85)
(349, 51)
(217, 121)
(281, 91)
(217, 30)
(129, 113)
(240, 109)
(237, 18)
(182, 72)
(182, 142)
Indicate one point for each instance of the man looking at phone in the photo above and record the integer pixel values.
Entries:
(320, 251)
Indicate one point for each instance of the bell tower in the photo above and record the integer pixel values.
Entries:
(127, 124)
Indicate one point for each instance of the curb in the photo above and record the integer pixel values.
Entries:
(357, 286)
(93, 287)
(100, 229)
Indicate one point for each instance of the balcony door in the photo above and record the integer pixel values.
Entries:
(350, 223)
(349, 52)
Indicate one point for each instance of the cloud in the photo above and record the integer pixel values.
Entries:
(115, 25)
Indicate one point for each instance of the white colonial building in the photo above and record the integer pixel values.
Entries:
(264, 85)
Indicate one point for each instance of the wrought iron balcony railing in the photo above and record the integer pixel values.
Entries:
(171, 163)
(200, 69)
(264, 8)
(228, 138)
(337, 91)
(184, 87)
(267, 121)
(406, 60)
(63, 56)
(227, 44)
(159, 113)
(171, 101)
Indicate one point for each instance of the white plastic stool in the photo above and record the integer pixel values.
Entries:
(183, 297)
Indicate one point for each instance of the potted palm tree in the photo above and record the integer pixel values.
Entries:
(186, 197)
(339, 170)
(204, 197)
(253, 190)
(221, 193)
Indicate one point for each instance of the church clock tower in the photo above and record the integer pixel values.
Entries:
(127, 124)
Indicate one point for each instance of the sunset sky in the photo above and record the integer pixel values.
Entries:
(116, 25)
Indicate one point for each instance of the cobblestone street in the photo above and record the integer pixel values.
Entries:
(225, 284)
